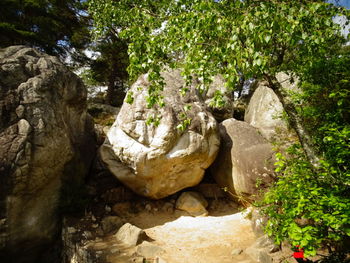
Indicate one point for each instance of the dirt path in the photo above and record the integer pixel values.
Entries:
(173, 235)
(204, 239)
(221, 237)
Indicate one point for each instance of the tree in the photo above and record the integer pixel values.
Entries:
(54, 26)
(109, 68)
(317, 208)
(253, 39)
(62, 27)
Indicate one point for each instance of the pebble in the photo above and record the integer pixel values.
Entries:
(236, 252)
(108, 209)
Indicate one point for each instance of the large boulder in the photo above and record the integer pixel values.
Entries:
(157, 161)
(288, 81)
(265, 111)
(46, 145)
(245, 160)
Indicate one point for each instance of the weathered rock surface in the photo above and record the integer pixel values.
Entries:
(193, 203)
(288, 81)
(262, 250)
(157, 161)
(81, 244)
(258, 222)
(264, 112)
(130, 235)
(111, 223)
(46, 144)
(210, 190)
(245, 159)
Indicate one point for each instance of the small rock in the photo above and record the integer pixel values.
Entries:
(130, 235)
(87, 234)
(137, 260)
(148, 207)
(111, 223)
(24, 127)
(93, 218)
(259, 252)
(71, 230)
(94, 225)
(149, 250)
(20, 111)
(106, 129)
(236, 252)
(114, 250)
(214, 204)
(193, 203)
(99, 232)
(210, 191)
(108, 209)
(2, 222)
(266, 242)
(168, 207)
(121, 209)
(275, 248)
(264, 257)
(258, 222)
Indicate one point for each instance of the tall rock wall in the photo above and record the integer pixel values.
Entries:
(46, 143)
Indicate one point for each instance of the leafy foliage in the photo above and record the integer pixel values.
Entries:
(316, 210)
(109, 68)
(54, 26)
(205, 38)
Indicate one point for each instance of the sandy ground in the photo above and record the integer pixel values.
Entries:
(210, 239)
(204, 239)
(177, 237)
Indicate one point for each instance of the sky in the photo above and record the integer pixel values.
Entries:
(340, 19)
(345, 3)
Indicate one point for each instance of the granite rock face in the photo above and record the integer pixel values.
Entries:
(46, 144)
(264, 112)
(157, 161)
(245, 160)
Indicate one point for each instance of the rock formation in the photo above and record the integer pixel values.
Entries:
(245, 159)
(46, 144)
(264, 112)
(156, 161)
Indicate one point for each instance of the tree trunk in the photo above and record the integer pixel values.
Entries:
(295, 121)
(111, 89)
